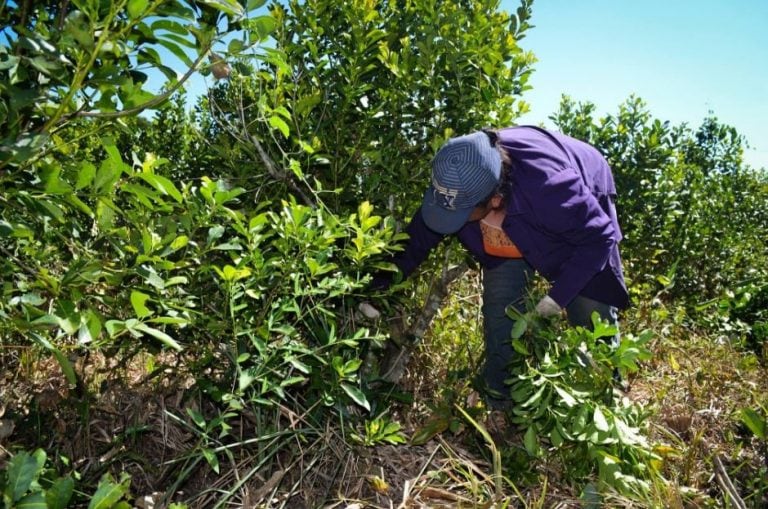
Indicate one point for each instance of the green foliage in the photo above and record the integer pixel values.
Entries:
(115, 240)
(363, 92)
(110, 494)
(285, 296)
(235, 239)
(28, 481)
(562, 385)
(62, 61)
(757, 423)
(379, 430)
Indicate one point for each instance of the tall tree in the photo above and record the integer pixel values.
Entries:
(367, 90)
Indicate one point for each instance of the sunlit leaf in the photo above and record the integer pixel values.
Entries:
(108, 492)
(138, 301)
(160, 335)
(599, 419)
(356, 395)
(229, 7)
(756, 423)
(136, 8)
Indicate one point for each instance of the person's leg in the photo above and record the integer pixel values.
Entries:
(502, 286)
(580, 313)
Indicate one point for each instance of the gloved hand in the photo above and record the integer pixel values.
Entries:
(368, 310)
(547, 307)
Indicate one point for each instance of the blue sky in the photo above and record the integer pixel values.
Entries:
(685, 58)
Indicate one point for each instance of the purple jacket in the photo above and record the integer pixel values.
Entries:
(560, 214)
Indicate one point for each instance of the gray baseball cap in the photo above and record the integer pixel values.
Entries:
(465, 171)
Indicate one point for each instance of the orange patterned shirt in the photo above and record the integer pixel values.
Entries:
(498, 243)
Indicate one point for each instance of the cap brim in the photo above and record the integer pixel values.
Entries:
(441, 219)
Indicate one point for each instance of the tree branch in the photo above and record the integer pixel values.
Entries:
(247, 140)
(149, 104)
(400, 348)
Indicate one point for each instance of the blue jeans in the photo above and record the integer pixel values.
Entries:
(507, 285)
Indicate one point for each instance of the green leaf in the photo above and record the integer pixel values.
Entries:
(53, 183)
(535, 397)
(519, 328)
(60, 492)
(136, 8)
(229, 7)
(78, 203)
(520, 347)
(245, 378)
(356, 395)
(138, 301)
(555, 437)
(179, 242)
(108, 492)
(197, 418)
(235, 46)
(278, 123)
(163, 185)
(304, 368)
(531, 441)
(212, 459)
(262, 27)
(173, 320)
(215, 233)
(176, 50)
(114, 327)
(106, 177)
(170, 26)
(602, 329)
(292, 381)
(162, 336)
(599, 419)
(8, 61)
(754, 422)
(566, 396)
(307, 103)
(152, 277)
(255, 4)
(21, 472)
(33, 299)
(32, 501)
(183, 41)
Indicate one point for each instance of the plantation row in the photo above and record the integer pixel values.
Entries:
(215, 257)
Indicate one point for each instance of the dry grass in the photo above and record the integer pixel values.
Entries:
(692, 388)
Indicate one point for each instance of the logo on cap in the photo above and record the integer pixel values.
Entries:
(446, 196)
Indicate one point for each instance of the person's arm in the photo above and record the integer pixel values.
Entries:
(571, 213)
(421, 240)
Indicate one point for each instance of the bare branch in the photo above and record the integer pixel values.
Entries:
(726, 484)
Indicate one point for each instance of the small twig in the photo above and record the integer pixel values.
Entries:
(18, 262)
(726, 484)
(247, 140)
(409, 487)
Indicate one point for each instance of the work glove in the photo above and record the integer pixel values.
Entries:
(368, 310)
(547, 307)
